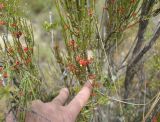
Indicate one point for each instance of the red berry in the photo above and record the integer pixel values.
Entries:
(71, 43)
(1, 5)
(133, 1)
(83, 62)
(72, 68)
(78, 58)
(25, 49)
(5, 75)
(14, 25)
(17, 34)
(1, 69)
(2, 22)
(17, 62)
(121, 10)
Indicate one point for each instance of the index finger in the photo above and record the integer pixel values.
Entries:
(80, 99)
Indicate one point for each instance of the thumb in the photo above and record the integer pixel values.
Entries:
(62, 97)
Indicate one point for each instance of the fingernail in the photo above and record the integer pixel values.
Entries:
(65, 90)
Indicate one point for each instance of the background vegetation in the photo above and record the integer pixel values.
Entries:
(114, 34)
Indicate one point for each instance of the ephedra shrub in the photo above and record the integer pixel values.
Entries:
(88, 52)
(91, 44)
(19, 77)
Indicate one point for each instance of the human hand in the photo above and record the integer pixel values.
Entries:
(55, 111)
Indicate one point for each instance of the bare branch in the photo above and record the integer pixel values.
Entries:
(148, 46)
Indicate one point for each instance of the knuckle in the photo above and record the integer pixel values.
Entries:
(36, 103)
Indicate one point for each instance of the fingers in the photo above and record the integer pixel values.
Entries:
(36, 107)
(10, 117)
(62, 97)
(80, 100)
